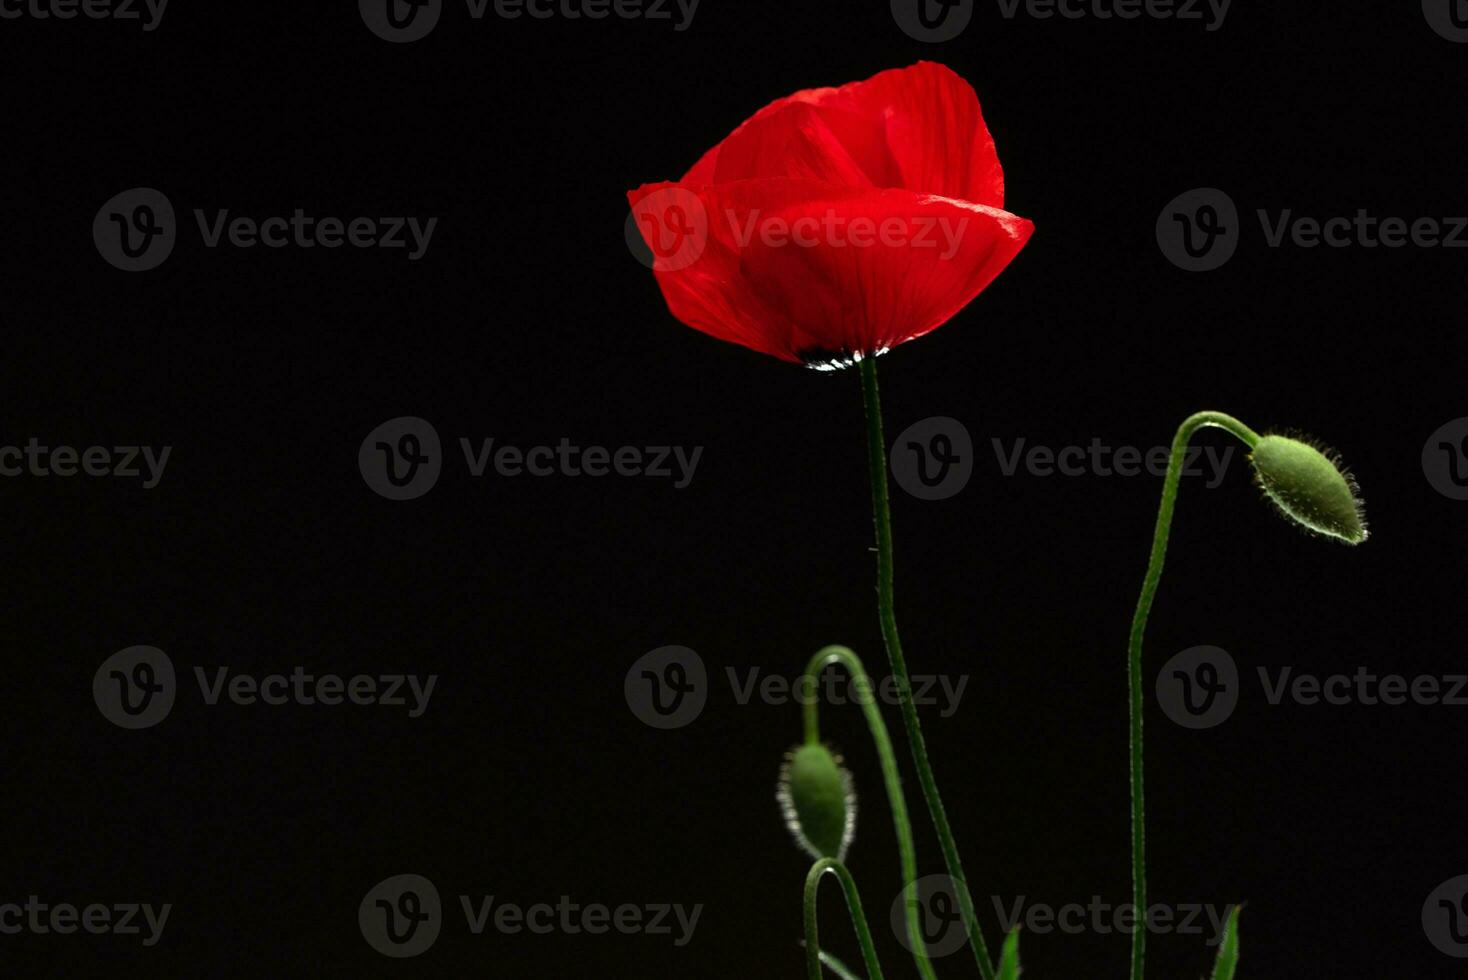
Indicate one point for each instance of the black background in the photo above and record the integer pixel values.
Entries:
(528, 320)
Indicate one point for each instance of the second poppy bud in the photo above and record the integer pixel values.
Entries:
(1309, 487)
(818, 800)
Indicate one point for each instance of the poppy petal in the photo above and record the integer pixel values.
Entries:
(919, 128)
(788, 139)
(818, 273)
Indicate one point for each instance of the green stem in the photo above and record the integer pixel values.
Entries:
(877, 463)
(866, 697)
(1134, 661)
(819, 870)
(837, 967)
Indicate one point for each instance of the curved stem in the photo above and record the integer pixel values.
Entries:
(877, 463)
(819, 870)
(1134, 660)
(866, 697)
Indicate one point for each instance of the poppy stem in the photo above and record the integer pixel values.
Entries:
(865, 696)
(1134, 660)
(877, 463)
(818, 871)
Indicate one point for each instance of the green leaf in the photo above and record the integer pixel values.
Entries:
(1228, 950)
(1009, 958)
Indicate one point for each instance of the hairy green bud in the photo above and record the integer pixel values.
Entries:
(1310, 487)
(818, 801)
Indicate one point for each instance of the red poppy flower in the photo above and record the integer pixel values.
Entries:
(838, 222)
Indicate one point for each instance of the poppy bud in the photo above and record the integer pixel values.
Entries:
(1309, 487)
(818, 801)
